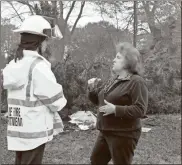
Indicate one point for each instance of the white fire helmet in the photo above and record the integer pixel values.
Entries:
(40, 25)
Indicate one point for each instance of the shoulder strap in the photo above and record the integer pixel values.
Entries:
(32, 66)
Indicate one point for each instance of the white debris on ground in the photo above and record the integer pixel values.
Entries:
(144, 129)
(86, 120)
(83, 119)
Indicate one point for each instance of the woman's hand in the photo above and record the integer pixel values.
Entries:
(107, 109)
(93, 83)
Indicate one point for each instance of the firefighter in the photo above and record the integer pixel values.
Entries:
(34, 96)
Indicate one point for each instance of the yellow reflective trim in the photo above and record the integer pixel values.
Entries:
(37, 103)
(35, 62)
(29, 135)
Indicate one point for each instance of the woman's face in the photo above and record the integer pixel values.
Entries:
(119, 63)
(46, 49)
(44, 46)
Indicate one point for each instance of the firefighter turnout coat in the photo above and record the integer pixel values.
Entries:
(34, 99)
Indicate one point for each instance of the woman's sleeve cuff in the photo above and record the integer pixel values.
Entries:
(119, 111)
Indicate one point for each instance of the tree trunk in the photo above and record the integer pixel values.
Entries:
(135, 24)
(156, 32)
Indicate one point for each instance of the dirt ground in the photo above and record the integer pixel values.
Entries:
(162, 145)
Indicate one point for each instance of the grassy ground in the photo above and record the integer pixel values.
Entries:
(162, 145)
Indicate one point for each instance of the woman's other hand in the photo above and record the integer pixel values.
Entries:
(107, 109)
(93, 83)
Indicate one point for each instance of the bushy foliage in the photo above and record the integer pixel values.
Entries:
(162, 68)
(73, 77)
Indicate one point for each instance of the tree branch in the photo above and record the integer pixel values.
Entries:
(54, 8)
(66, 5)
(144, 30)
(150, 16)
(131, 18)
(71, 9)
(28, 4)
(158, 20)
(15, 11)
(146, 6)
(61, 8)
(79, 16)
(154, 7)
(101, 12)
(16, 16)
(117, 19)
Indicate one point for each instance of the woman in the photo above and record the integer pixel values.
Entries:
(34, 96)
(122, 102)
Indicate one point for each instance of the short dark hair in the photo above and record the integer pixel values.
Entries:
(133, 57)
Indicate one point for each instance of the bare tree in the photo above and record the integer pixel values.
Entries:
(55, 9)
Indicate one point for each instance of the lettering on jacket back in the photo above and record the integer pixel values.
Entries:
(14, 118)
